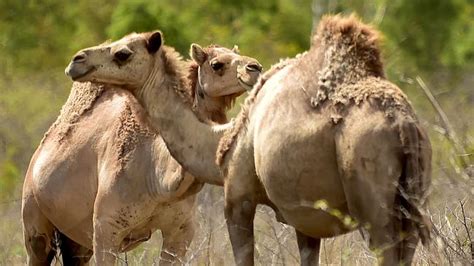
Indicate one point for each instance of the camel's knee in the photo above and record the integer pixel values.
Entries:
(176, 242)
(40, 249)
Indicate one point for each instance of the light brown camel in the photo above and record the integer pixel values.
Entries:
(102, 176)
(160, 92)
(334, 145)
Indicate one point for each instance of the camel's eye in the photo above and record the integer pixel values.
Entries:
(122, 55)
(217, 65)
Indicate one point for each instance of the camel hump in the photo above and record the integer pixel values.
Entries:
(347, 30)
(415, 180)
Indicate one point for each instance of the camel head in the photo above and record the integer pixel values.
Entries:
(127, 62)
(218, 67)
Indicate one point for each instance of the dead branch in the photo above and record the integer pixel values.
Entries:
(446, 124)
(466, 227)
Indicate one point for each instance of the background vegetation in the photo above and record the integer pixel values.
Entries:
(427, 43)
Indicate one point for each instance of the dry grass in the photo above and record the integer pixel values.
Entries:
(451, 208)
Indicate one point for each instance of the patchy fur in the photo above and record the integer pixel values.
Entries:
(128, 134)
(82, 98)
(352, 71)
(230, 136)
(350, 50)
(380, 93)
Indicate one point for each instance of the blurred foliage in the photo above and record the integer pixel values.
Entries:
(433, 39)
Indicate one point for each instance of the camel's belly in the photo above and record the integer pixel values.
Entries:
(297, 164)
(318, 223)
(65, 192)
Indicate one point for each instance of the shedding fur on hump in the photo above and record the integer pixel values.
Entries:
(352, 70)
(380, 93)
(230, 136)
(81, 99)
(350, 51)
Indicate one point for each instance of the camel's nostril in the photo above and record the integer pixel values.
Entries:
(253, 67)
(79, 58)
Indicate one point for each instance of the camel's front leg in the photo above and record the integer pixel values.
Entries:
(239, 214)
(108, 233)
(105, 250)
(176, 242)
(309, 249)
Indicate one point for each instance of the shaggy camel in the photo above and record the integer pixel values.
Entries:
(160, 92)
(334, 145)
(102, 176)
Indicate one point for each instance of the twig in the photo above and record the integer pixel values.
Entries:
(450, 133)
(471, 244)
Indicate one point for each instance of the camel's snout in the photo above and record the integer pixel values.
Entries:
(80, 57)
(254, 67)
(249, 73)
(78, 68)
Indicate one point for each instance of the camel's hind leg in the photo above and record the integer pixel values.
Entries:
(73, 253)
(38, 233)
(370, 176)
(309, 249)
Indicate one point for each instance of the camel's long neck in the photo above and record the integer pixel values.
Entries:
(191, 142)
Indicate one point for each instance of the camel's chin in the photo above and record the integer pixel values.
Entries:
(247, 86)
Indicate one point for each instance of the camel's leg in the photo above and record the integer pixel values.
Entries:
(38, 233)
(73, 253)
(107, 228)
(407, 248)
(371, 196)
(176, 242)
(239, 214)
(239, 210)
(309, 249)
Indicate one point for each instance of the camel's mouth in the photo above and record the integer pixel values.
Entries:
(75, 73)
(244, 84)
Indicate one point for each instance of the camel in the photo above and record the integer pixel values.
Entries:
(334, 145)
(102, 178)
(157, 82)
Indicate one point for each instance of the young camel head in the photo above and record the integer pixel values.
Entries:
(130, 61)
(218, 67)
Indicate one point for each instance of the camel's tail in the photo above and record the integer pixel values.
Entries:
(415, 180)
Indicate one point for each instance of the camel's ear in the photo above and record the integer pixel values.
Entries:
(154, 42)
(235, 49)
(198, 54)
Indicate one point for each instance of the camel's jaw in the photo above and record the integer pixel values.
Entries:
(248, 76)
(78, 71)
(245, 85)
